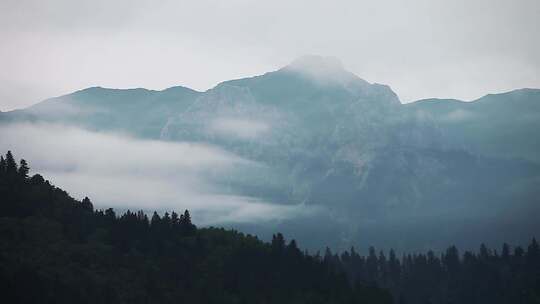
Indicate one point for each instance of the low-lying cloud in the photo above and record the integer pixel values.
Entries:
(458, 115)
(55, 109)
(122, 172)
(239, 128)
(324, 70)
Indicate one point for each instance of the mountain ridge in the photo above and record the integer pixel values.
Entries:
(504, 93)
(312, 66)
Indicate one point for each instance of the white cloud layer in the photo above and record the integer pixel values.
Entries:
(457, 116)
(237, 127)
(121, 172)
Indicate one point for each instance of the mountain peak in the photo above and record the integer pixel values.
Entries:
(324, 70)
(316, 63)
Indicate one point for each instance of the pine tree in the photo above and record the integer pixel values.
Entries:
(155, 221)
(533, 268)
(518, 253)
(533, 251)
(175, 220)
(505, 252)
(187, 218)
(345, 257)
(353, 252)
(383, 268)
(372, 266)
(166, 220)
(484, 252)
(2, 164)
(278, 243)
(533, 258)
(87, 204)
(110, 216)
(11, 165)
(186, 226)
(451, 260)
(143, 218)
(394, 267)
(292, 249)
(23, 169)
(328, 256)
(292, 245)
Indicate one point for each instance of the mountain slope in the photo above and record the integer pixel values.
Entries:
(431, 170)
(499, 125)
(138, 112)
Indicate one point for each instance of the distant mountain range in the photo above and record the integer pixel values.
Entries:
(409, 176)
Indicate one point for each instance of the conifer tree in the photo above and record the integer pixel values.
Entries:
(110, 215)
(166, 220)
(155, 221)
(23, 169)
(383, 268)
(2, 164)
(87, 204)
(451, 260)
(505, 252)
(292, 248)
(518, 253)
(484, 252)
(328, 256)
(185, 224)
(278, 243)
(533, 251)
(394, 267)
(187, 218)
(11, 165)
(372, 265)
(175, 220)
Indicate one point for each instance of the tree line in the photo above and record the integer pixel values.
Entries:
(511, 275)
(54, 248)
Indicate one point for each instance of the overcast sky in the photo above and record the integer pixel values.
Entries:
(460, 48)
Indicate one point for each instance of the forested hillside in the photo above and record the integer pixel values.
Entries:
(511, 275)
(55, 249)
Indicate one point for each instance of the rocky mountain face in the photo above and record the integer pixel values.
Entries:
(408, 176)
(498, 125)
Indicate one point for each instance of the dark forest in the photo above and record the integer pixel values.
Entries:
(56, 249)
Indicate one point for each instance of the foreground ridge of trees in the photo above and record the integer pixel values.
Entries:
(55, 249)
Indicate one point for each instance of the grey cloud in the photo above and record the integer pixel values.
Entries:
(239, 128)
(323, 70)
(448, 49)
